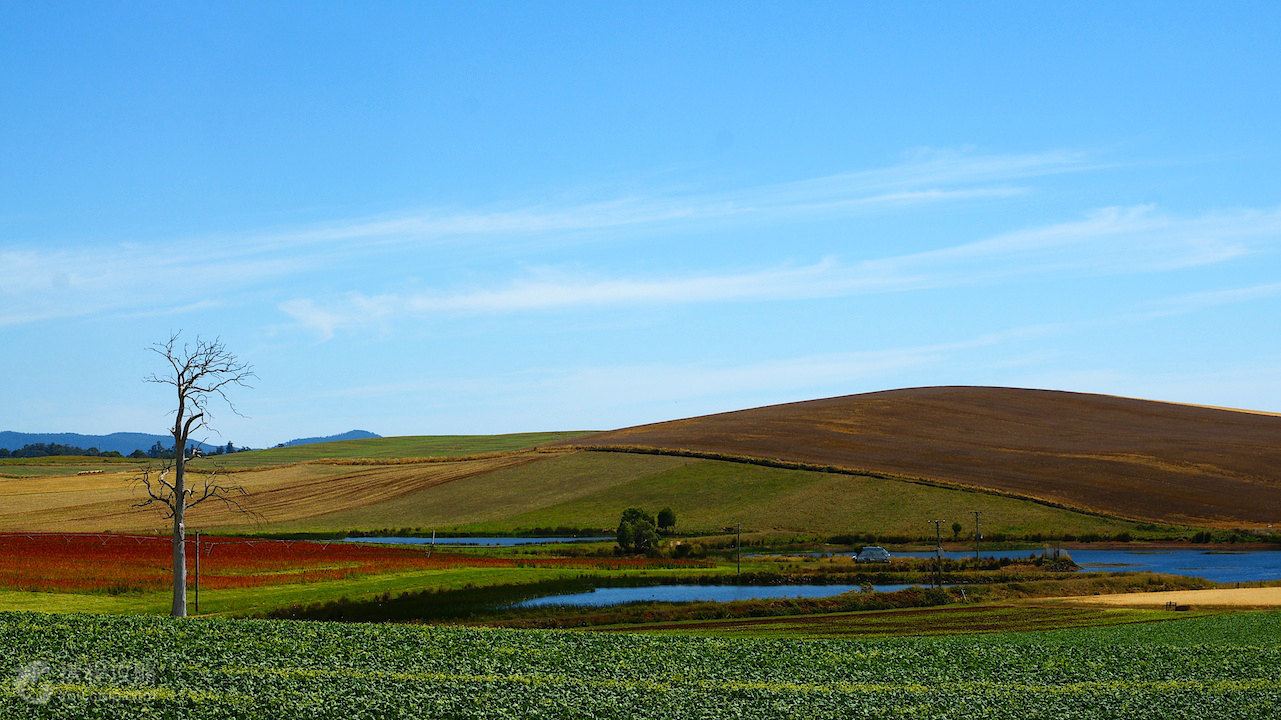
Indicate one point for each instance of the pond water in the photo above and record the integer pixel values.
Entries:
(489, 541)
(695, 593)
(1215, 565)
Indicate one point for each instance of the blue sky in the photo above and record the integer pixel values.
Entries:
(472, 218)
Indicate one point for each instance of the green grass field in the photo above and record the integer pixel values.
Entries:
(590, 489)
(87, 666)
(258, 600)
(393, 447)
(419, 446)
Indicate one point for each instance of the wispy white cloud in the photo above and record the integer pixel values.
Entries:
(780, 378)
(609, 395)
(923, 178)
(37, 286)
(1108, 241)
(1192, 302)
(1243, 385)
(178, 309)
(550, 289)
(43, 283)
(612, 395)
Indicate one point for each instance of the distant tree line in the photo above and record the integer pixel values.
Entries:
(228, 449)
(34, 450)
(157, 451)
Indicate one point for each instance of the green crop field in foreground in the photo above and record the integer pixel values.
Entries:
(86, 666)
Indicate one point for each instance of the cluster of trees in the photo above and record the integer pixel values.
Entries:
(160, 452)
(638, 530)
(35, 450)
(228, 449)
(157, 452)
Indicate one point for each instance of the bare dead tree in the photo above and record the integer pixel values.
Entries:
(201, 371)
(160, 491)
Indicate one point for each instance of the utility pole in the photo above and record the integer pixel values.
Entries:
(938, 553)
(197, 572)
(738, 549)
(977, 534)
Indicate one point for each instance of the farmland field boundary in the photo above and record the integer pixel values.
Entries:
(858, 472)
(533, 454)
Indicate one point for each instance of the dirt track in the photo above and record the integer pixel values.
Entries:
(1236, 597)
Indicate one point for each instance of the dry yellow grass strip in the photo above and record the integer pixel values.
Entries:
(1218, 597)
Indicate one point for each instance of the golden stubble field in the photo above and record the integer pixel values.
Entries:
(106, 501)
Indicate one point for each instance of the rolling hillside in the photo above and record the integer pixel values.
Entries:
(1012, 454)
(523, 491)
(1132, 458)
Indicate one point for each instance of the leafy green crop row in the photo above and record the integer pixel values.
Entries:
(141, 667)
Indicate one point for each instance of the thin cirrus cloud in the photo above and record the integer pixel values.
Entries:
(46, 282)
(1206, 299)
(623, 394)
(926, 177)
(666, 382)
(657, 383)
(1108, 241)
(37, 286)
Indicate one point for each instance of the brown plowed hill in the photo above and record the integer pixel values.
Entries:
(1119, 456)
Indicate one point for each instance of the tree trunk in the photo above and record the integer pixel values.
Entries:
(179, 528)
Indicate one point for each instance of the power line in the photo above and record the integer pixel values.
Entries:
(938, 553)
(977, 535)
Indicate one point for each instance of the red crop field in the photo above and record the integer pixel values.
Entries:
(121, 563)
(70, 562)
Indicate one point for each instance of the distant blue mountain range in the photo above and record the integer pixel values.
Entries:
(126, 442)
(349, 435)
(122, 442)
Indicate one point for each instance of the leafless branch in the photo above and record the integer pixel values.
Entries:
(228, 495)
(201, 370)
(158, 489)
(161, 492)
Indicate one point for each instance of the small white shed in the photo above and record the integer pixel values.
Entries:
(873, 553)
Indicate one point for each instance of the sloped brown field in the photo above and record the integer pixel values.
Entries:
(1133, 458)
